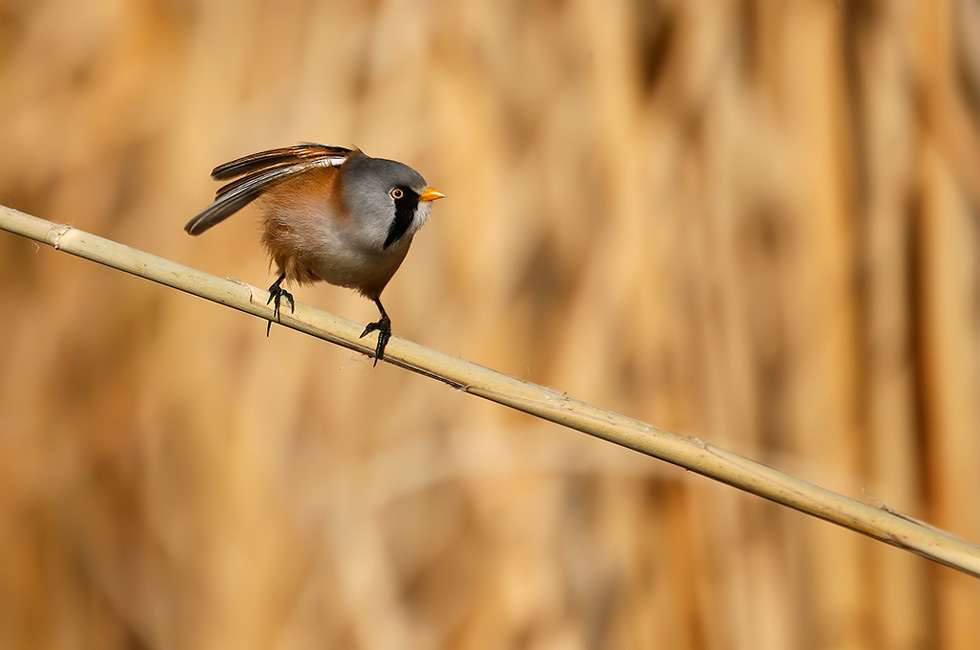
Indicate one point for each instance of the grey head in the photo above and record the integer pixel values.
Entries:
(388, 199)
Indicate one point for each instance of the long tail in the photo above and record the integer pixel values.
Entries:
(254, 174)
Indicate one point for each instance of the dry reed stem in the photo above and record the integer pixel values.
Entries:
(881, 523)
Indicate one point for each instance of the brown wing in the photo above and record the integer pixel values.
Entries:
(258, 172)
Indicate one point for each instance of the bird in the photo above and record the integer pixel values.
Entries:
(331, 214)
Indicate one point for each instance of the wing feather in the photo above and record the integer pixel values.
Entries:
(274, 157)
(258, 172)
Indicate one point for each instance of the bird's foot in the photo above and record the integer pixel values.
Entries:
(383, 326)
(277, 293)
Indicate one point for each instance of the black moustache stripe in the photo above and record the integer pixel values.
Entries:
(405, 208)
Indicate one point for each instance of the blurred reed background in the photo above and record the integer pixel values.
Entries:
(751, 222)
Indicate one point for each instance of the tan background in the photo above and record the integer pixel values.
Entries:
(751, 222)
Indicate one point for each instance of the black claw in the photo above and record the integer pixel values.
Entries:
(277, 293)
(383, 327)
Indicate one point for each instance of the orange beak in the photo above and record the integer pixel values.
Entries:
(431, 195)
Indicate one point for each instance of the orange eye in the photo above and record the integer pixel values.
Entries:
(397, 193)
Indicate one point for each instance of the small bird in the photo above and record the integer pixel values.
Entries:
(328, 213)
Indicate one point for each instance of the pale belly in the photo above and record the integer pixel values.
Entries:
(316, 253)
(365, 270)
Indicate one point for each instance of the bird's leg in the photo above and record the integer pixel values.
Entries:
(277, 293)
(384, 332)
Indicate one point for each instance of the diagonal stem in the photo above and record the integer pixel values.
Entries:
(880, 523)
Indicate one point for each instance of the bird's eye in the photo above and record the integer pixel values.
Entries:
(397, 193)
